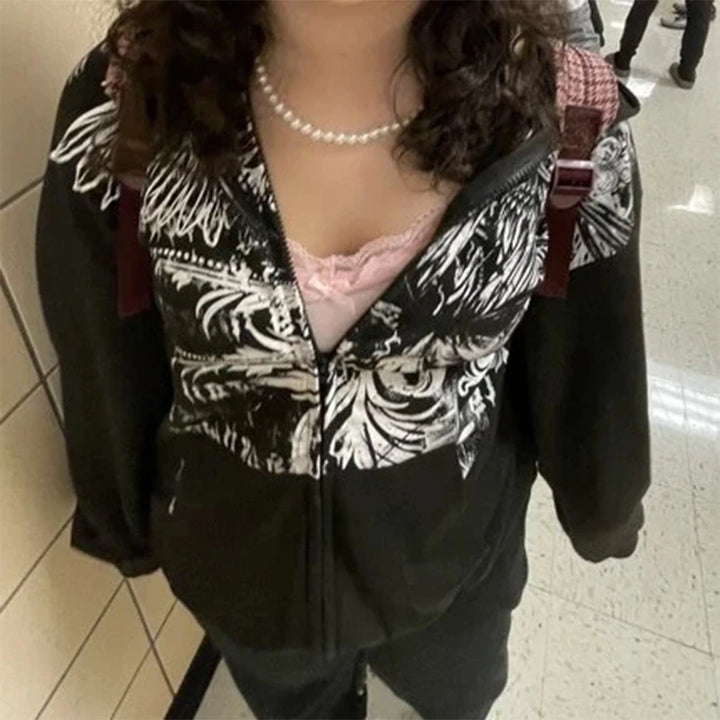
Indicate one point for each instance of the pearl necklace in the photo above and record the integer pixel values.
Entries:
(310, 130)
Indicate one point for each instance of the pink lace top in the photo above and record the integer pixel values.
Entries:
(338, 289)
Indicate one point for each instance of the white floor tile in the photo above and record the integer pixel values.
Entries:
(154, 597)
(104, 667)
(523, 693)
(708, 528)
(18, 373)
(149, 697)
(670, 465)
(383, 704)
(659, 588)
(601, 669)
(541, 526)
(45, 624)
(18, 264)
(37, 497)
(704, 462)
(222, 700)
(178, 642)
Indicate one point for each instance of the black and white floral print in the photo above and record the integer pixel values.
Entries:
(420, 371)
(92, 132)
(606, 218)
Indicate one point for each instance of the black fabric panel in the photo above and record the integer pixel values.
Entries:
(233, 542)
(584, 359)
(114, 373)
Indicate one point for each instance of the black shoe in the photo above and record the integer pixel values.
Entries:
(621, 72)
(679, 80)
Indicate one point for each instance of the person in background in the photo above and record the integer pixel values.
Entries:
(582, 25)
(678, 20)
(683, 73)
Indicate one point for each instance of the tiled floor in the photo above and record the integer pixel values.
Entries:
(638, 639)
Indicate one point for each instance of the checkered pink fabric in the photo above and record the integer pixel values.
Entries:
(584, 78)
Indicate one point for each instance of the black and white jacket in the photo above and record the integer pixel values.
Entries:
(300, 499)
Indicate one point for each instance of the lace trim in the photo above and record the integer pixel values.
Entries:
(374, 247)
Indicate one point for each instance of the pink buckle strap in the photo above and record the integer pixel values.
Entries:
(572, 182)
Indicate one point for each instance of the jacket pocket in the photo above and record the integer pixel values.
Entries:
(233, 543)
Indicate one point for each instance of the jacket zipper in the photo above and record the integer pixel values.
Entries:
(323, 605)
(320, 592)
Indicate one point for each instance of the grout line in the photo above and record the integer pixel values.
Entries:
(164, 622)
(22, 329)
(36, 563)
(42, 374)
(132, 680)
(54, 402)
(23, 191)
(629, 623)
(79, 650)
(17, 405)
(150, 635)
(703, 592)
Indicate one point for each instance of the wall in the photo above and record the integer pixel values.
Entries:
(76, 640)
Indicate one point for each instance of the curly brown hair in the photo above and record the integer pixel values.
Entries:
(486, 69)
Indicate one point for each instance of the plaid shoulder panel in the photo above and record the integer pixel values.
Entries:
(584, 78)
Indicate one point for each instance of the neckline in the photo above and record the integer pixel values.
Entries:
(379, 244)
(487, 182)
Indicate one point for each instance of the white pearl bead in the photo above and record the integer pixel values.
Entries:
(328, 136)
(317, 134)
(306, 129)
(288, 115)
(296, 123)
(274, 99)
(352, 139)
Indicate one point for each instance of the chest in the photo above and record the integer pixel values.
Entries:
(225, 288)
(334, 199)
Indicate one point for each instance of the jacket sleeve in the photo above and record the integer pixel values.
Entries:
(584, 360)
(114, 372)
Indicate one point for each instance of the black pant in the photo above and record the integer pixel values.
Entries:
(597, 21)
(455, 668)
(693, 39)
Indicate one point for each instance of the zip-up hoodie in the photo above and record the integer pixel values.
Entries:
(310, 500)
